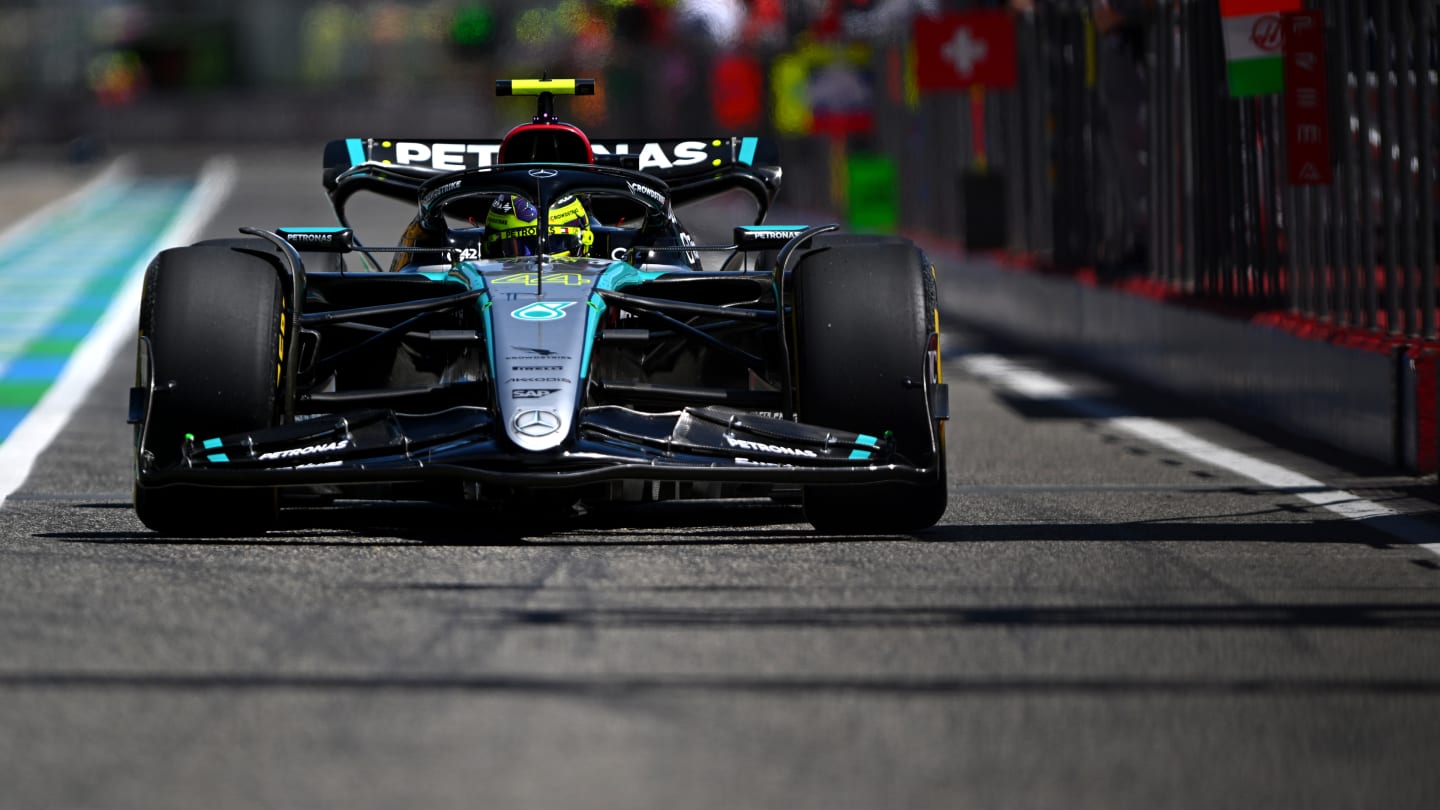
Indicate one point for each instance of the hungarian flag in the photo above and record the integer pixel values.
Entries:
(1255, 44)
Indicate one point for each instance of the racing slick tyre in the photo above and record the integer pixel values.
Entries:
(213, 317)
(867, 351)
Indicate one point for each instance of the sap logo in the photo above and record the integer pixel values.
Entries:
(446, 156)
(306, 451)
(652, 155)
(745, 444)
(533, 393)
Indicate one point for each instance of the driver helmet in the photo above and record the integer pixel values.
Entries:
(512, 223)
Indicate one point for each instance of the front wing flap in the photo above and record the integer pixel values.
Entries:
(611, 443)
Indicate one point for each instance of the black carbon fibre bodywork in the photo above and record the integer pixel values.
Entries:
(497, 374)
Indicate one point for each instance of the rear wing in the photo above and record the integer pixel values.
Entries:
(693, 169)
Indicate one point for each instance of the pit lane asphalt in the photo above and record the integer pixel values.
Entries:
(1096, 623)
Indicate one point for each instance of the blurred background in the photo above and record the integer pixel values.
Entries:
(1100, 137)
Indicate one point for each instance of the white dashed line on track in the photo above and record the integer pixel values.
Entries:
(1010, 376)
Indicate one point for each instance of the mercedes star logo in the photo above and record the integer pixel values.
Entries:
(543, 173)
(536, 423)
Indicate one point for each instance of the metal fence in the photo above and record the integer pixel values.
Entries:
(1124, 151)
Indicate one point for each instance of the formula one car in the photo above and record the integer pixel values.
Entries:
(545, 331)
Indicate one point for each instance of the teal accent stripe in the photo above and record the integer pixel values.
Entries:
(59, 277)
(796, 228)
(861, 455)
(747, 150)
(211, 444)
(592, 326)
(312, 230)
(219, 458)
(620, 275)
(357, 150)
(487, 318)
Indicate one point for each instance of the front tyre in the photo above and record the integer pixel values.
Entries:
(867, 352)
(214, 320)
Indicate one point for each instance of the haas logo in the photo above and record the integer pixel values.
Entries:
(1268, 34)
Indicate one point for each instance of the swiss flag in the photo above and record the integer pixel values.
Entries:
(963, 49)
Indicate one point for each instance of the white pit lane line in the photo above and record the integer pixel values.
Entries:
(1006, 374)
(34, 433)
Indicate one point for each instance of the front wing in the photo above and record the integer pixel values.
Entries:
(611, 443)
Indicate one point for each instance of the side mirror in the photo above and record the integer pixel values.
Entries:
(765, 237)
(319, 240)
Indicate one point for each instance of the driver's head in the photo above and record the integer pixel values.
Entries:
(511, 228)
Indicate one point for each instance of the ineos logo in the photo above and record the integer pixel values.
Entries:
(1268, 33)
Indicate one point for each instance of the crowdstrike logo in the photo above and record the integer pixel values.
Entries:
(646, 191)
(439, 192)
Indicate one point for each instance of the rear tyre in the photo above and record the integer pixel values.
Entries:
(867, 348)
(214, 319)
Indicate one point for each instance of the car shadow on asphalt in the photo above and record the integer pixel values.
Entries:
(737, 522)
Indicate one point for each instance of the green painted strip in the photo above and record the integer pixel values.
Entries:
(59, 278)
(22, 394)
(1255, 77)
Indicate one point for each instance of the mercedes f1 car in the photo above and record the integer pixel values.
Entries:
(457, 365)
